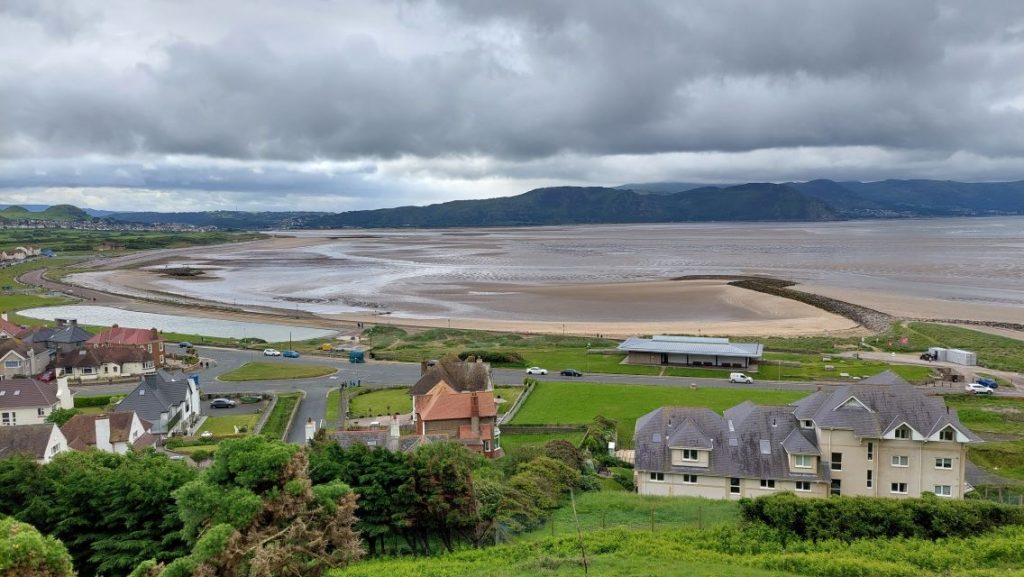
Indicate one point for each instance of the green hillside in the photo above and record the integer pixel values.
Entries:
(56, 212)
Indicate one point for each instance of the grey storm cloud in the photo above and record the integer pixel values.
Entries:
(514, 86)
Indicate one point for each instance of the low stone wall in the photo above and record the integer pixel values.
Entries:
(511, 412)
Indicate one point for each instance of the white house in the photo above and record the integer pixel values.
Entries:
(29, 402)
(113, 433)
(42, 442)
(172, 406)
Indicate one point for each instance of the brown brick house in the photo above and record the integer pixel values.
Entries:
(468, 418)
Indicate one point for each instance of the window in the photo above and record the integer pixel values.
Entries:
(944, 490)
(54, 449)
(837, 461)
(871, 451)
(690, 455)
(944, 463)
(900, 461)
(807, 424)
(803, 461)
(902, 432)
(690, 479)
(803, 485)
(734, 486)
(41, 412)
(947, 434)
(657, 476)
(767, 483)
(900, 488)
(870, 480)
(12, 364)
(487, 446)
(86, 370)
(8, 419)
(835, 488)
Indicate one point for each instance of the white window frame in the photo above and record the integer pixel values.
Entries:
(947, 431)
(901, 461)
(807, 424)
(41, 412)
(871, 451)
(940, 463)
(657, 477)
(767, 483)
(694, 452)
(902, 432)
(894, 488)
(798, 458)
(9, 419)
(943, 490)
(735, 489)
(12, 364)
(803, 485)
(832, 464)
(689, 479)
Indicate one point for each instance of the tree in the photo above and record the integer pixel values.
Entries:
(255, 513)
(25, 552)
(444, 481)
(61, 416)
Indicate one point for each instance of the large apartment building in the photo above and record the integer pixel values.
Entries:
(881, 437)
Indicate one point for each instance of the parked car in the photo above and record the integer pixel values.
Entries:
(990, 383)
(536, 371)
(222, 404)
(571, 373)
(184, 345)
(290, 354)
(271, 353)
(739, 378)
(979, 389)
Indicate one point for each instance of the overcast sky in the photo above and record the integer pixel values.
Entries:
(338, 105)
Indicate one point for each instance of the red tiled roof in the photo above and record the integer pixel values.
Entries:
(447, 405)
(10, 328)
(116, 335)
(466, 433)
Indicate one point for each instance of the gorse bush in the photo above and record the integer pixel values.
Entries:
(851, 518)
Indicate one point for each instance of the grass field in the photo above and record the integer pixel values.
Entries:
(333, 406)
(388, 401)
(513, 441)
(812, 368)
(579, 403)
(277, 422)
(620, 509)
(225, 424)
(998, 418)
(273, 371)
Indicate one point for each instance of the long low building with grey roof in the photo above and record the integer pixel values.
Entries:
(691, 351)
(881, 437)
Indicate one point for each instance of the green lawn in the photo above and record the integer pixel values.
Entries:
(621, 509)
(274, 371)
(994, 351)
(225, 424)
(333, 406)
(509, 394)
(380, 402)
(999, 417)
(579, 403)
(812, 368)
(277, 422)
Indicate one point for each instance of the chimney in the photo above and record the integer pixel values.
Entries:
(73, 322)
(64, 393)
(103, 434)
(61, 323)
(310, 429)
(3, 316)
(474, 414)
(423, 368)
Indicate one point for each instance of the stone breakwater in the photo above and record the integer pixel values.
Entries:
(866, 317)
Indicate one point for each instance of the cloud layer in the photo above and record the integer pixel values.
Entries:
(344, 105)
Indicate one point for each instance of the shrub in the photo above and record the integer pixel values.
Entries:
(496, 357)
(26, 552)
(100, 401)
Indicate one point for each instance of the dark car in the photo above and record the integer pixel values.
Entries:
(222, 404)
(571, 373)
(290, 354)
(990, 383)
(185, 345)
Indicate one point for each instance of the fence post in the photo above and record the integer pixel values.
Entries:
(652, 520)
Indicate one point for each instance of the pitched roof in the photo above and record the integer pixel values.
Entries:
(692, 346)
(80, 430)
(877, 405)
(31, 440)
(95, 357)
(460, 376)
(751, 448)
(379, 439)
(21, 393)
(800, 442)
(20, 347)
(10, 328)
(116, 335)
(154, 395)
(446, 405)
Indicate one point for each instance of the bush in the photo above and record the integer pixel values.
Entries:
(100, 401)
(851, 518)
(495, 357)
(26, 552)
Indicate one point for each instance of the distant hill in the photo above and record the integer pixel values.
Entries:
(667, 187)
(910, 198)
(223, 219)
(596, 205)
(56, 212)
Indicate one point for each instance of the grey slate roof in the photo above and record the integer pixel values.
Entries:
(154, 395)
(461, 376)
(379, 439)
(877, 405)
(31, 440)
(753, 449)
(68, 334)
(801, 442)
(689, 347)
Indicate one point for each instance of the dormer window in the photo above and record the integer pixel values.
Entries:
(947, 434)
(902, 432)
(691, 455)
(807, 424)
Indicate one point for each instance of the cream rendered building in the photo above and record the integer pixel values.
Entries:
(881, 437)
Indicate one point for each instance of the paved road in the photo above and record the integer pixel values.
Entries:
(375, 374)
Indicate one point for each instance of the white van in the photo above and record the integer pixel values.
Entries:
(739, 378)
